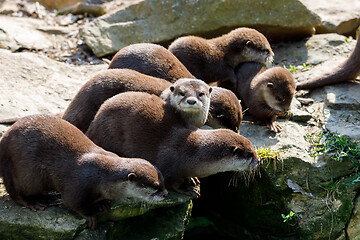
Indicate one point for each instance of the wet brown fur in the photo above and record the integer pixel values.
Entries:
(157, 61)
(135, 124)
(41, 153)
(346, 71)
(108, 83)
(150, 59)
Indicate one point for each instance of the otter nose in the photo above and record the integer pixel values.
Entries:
(191, 101)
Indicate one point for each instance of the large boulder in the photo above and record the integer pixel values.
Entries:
(161, 21)
(337, 16)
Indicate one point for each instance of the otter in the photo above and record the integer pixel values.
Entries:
(214, 60)
(346, 71)
(40, 153)
(267, 93)
(138, 124)
(193, 106)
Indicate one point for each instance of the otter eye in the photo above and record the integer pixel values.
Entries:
(182, 94)
(201, 94)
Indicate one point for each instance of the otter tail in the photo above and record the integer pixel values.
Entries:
(347, 71)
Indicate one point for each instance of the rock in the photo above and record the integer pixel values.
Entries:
(353, 229)
(306, 55)
(343, 96)
(162, 21)
(33, 84)
(58, 223)
(82, 8)
(8, 7)
(337, 16)
(16, 33)
(59, 4)
(296, 114)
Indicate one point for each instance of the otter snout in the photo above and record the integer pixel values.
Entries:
(191, 101)
(254, 162)
(160, 195)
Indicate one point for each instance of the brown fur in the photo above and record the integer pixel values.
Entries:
(106, 84)
(41, 153)
(157, 61)
(150, 59)
(267, 93)
(346, 71)
(215, 59)
(136, 124)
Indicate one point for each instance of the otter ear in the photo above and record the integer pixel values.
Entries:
(210, 90)
(131, 177)
(237, 150)
(172, 88)
(270, 85)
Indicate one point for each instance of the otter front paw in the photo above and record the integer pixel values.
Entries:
(188, 190)
(274, 127)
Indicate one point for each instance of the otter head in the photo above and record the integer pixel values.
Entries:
(225, 110)
(224, 150)
(278, 89)
(248, 45)
(135, 178)
(191, 97)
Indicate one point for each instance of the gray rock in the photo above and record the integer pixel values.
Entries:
(32, 84)
(58, 223)
(296, 114)
(16, 33)
(353, 229)
(337, 16)
(161, 21)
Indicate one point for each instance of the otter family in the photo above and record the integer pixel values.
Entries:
(134, 130)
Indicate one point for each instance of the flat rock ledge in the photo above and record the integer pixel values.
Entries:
(125, 216)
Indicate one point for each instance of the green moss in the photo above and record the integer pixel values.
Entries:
(162, 224)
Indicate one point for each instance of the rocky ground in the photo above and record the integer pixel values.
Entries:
(45, 58)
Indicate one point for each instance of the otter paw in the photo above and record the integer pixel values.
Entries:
(91, 221)
(189, 191)
(273, 127)
(103, 206)
(31, 205)
(193, 181)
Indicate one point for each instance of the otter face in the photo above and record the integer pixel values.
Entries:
(229, 152)
(143, 181)
(190, 95)
(278, 98)
(135, 188)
